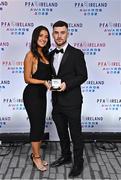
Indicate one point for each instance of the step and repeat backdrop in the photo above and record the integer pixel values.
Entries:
(95, 28)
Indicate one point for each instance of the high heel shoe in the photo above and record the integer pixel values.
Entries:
(42, 167)
(45, 163)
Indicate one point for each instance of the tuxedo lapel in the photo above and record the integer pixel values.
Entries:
(64, 58)
(52, 67)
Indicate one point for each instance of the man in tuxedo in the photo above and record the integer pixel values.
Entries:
(68, 64)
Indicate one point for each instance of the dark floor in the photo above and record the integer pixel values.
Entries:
(103, 162)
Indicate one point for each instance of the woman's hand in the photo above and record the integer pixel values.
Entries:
(47, 84)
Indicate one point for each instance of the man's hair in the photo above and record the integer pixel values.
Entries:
(60, 24)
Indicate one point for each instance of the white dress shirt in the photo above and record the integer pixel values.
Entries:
(58, 58)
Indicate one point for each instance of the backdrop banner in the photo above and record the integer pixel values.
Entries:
(95, 28)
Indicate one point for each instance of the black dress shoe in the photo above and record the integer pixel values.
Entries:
(61, 161)
(75, 171)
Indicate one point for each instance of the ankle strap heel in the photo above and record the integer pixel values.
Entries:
(41, 167)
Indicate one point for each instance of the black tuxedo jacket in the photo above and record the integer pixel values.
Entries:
(73, 72)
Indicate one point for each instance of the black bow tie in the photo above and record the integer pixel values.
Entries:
(59, 51)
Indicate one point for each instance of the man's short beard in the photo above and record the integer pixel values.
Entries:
(61, 44)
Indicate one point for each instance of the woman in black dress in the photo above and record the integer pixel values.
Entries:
(36, 75)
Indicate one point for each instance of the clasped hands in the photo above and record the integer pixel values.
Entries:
(62, 86)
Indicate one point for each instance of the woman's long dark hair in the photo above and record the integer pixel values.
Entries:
(34, 46)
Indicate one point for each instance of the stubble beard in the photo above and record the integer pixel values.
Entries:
(61, 44)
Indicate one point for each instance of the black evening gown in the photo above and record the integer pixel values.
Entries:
(34, 97)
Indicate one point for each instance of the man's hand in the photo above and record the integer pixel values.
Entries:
(62, 87)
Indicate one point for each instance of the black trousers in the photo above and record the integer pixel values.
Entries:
(68, 119)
